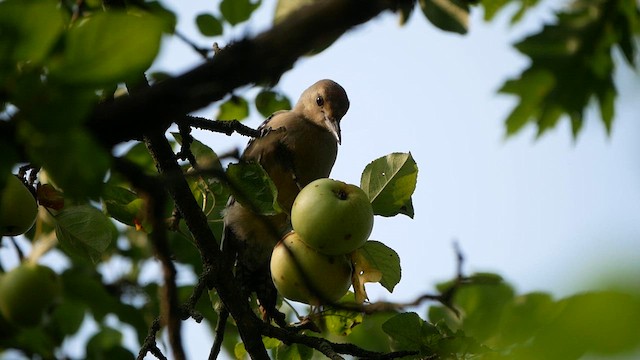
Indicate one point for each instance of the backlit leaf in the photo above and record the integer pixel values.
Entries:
(447, 15)
(237, 11)
(85, 231)
(389, 182)
(102, 49)
(236, 108)
(268, 102)
(384, 259)
(253, 188)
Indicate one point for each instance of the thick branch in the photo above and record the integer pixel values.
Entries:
(221, 275)
(262, 59)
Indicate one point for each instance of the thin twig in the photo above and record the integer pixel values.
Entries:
(330, 349)
(150, 345)
(227, 127)
(200, 50)
(220, 329)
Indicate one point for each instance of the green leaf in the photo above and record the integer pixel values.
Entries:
(139, 155)
(68, 316)
(447, 15)
(532, 87)
(293, 352)
(405, 10)
(341, 322)
(483, 304)
(389, 182)
(369, 334)
(524, 316)
(571, 63)
(28, 31)
(119, 204)
(50, 108)
(84, 285)
(606, 99)
(108, 47)
(268, 102)
(408, 331)
(236, 108)
(492, 7)
(84, 231)
(106, 339)
(386, 260)
(75, 162)
(237, 11)
(606, 322)
(208, 25)
(252, 187)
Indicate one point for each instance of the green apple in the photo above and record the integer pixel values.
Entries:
(26, 292)
(18, 208)
(332, 217)
(302, 274)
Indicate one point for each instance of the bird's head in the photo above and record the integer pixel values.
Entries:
(325, 103)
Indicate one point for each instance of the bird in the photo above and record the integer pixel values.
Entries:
(297, 147)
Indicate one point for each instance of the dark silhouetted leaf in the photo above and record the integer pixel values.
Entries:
(209, 25)
(448, 15)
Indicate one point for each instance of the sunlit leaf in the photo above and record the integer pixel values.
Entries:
(389, 182)
(338, 321)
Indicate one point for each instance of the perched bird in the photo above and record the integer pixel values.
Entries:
(298, 146)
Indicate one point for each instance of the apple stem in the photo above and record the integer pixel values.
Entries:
(342, 195)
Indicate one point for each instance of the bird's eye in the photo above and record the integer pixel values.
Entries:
(319, 101)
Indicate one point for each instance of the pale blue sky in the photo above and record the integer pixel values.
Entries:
(543, 213)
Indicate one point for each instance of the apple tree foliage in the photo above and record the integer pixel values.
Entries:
(73, 88)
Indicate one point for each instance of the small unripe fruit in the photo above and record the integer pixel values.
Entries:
(302, 274)
(18, 208)
(26, 292)
(332, 217)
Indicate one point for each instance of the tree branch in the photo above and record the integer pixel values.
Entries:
(155, 199)
(326, 347)
(221, 275)
(262, 59)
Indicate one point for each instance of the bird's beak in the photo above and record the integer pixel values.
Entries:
(333, 126)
